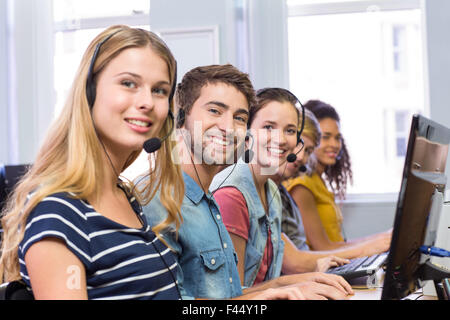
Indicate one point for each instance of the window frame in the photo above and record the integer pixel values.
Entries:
(101, 22)
(343, 7)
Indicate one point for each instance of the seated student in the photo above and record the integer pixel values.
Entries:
(214, 103)
(292, 225)
(73, 229)
(321, 216)
(250, 202)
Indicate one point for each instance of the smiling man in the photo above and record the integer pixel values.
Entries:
(213, 106)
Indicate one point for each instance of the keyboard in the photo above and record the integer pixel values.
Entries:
(360, 267)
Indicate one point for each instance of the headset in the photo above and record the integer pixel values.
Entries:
(153, 144)
(248, 154)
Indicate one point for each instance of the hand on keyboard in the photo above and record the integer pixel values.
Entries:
(323, 264)
(360, 266)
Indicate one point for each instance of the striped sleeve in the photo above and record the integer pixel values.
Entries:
(58, 217)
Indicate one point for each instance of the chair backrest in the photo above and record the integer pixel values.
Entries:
(9, 176)
(15, 290)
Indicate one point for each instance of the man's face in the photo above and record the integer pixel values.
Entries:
(216, 124)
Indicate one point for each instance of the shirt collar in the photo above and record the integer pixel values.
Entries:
(192, 189)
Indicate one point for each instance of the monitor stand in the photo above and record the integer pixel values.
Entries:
(430, 271)
(442, 241)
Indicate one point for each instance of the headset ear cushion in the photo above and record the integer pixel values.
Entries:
(90, 94)
(248, 156)
(180, 117)
(299, 137)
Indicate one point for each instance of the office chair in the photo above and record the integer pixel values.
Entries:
(9, 176)
(15, 290)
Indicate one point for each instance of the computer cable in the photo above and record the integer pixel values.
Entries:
(434, 251)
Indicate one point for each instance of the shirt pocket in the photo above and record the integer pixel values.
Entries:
(212, 259)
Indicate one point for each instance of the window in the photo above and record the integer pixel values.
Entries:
(398, 47)
(401, 132)
(368, 64)
(77, 22)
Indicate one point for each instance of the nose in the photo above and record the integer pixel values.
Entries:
(278, 137)
(336, 143)
(226, 122)
(144, 100)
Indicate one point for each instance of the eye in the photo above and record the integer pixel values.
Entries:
(291, 131)
(268, 127)
(241, 119)
(160, 91)
(129, 84)
(214, 111)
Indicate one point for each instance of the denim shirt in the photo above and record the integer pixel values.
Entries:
(205, 253)
(242, 179)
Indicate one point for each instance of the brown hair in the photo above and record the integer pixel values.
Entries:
(188, 91)
(266, 95)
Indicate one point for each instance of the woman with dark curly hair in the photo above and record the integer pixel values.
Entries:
(315, 192)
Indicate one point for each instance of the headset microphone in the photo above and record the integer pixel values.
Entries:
(291, 157)
(153, 144)
(302, 169)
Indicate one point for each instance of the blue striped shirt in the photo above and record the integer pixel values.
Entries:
(120, 262)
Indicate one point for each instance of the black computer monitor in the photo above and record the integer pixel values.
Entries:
(422, 181)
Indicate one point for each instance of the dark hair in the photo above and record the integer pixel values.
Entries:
(266, 95)
(340, 173)
(188, 91)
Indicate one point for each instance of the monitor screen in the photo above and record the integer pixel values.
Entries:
(422, 180)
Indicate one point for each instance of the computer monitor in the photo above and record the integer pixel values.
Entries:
(418, 206)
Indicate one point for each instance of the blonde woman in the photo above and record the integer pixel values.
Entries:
(73, 229)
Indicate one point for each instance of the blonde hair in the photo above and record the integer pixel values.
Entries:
(71, 156)
(312, 127)
(312, 131)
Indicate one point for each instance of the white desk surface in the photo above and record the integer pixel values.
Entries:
(375, 294)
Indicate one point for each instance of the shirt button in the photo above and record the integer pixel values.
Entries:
(225, 246)
(213, 261)
(231, 280)
(218, 217)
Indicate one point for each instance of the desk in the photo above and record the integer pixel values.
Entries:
(362, 292)
(375, 294)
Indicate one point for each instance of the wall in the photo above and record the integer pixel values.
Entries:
(28, 103)
(437, 42)
(4, 145)
(265, 24)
